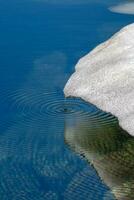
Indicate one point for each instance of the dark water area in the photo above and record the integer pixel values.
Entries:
(52, 148)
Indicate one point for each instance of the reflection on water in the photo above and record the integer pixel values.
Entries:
(34, 160)
(35, 163)
(40, 45)
(108, 148)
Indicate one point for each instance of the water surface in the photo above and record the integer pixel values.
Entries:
(39, 45)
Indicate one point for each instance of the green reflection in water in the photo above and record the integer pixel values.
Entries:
(108, 148)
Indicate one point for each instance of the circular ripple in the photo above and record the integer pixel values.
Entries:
(33, 106)
(37, 138)
(51, 103)
(65, 107)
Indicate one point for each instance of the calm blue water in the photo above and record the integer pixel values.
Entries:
(39, 45)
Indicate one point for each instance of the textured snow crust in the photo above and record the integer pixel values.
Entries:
(105, 77)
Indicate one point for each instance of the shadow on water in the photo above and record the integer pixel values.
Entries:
(109, 149)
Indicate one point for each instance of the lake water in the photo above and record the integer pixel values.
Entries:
(52, 148)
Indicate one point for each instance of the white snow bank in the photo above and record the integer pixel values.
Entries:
(125, 8)
(105, 77)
